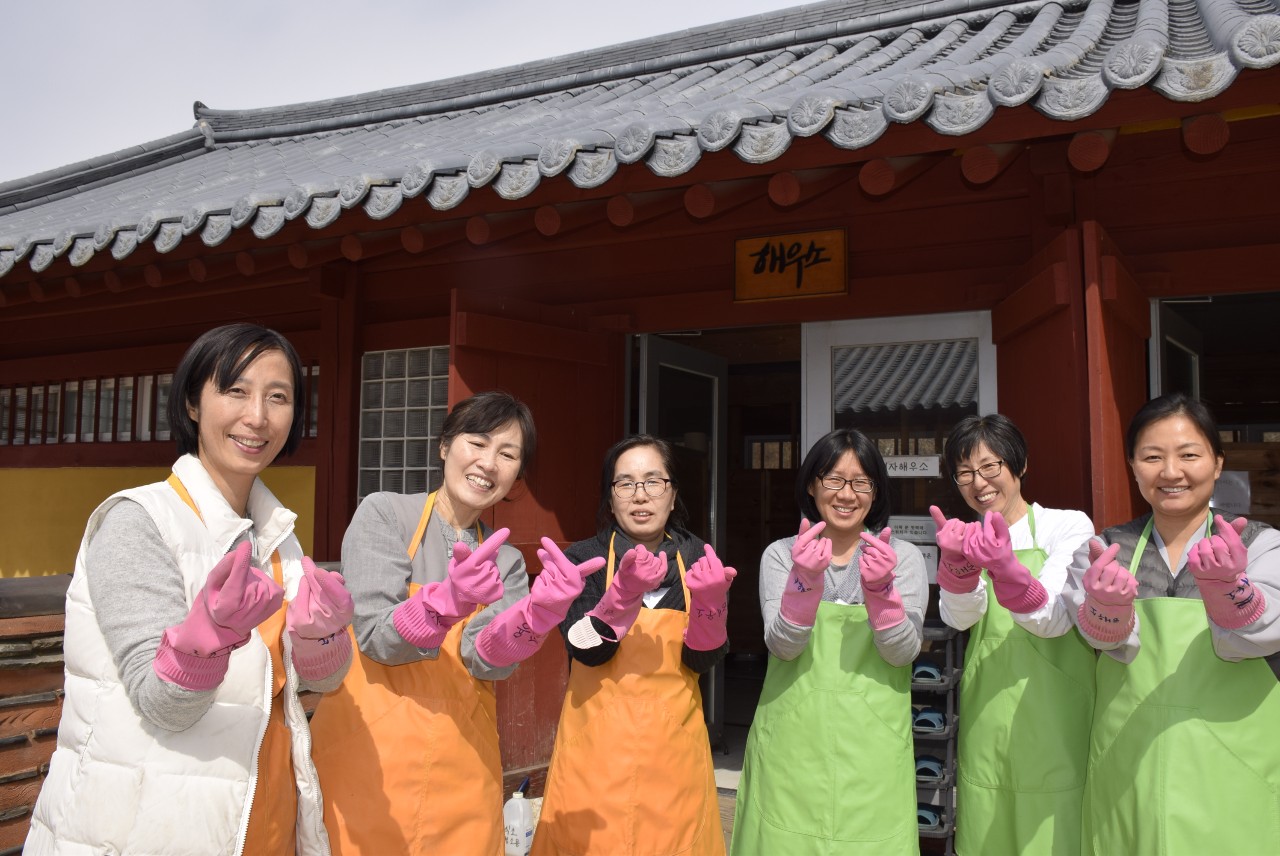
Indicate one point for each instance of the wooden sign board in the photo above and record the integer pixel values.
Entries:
(800, 264)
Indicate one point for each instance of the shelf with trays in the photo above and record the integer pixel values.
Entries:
(935, 685)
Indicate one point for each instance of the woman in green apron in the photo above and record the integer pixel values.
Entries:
(1026, 675)
(1184, 754)
(829, 766)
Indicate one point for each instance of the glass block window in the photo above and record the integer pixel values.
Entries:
(404, 398)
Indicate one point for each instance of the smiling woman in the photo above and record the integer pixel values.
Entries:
(843, 604)
(193, 621)
(1197, 593)
(443, 608)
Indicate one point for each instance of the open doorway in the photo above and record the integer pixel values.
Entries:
(749, 481)
(1224, 349)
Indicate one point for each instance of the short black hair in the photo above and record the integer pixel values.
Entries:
(679, 518)
(1173, 404)
(999, 434)
(221, 355)
(823, 457)
(486, 412)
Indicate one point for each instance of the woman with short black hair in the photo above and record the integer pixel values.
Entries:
(182, 731)
(443, 609)
(829, 762)
(1026, 674)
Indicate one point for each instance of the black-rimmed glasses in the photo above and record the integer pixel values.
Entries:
(652, 487)
(859, 485)
(987, 471)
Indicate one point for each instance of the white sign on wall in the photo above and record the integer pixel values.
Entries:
(913, 466)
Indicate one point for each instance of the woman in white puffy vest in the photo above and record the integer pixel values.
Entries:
(193, 621)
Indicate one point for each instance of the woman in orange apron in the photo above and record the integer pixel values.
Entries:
(1184, 754)
(1026, 695)
(193, 622)
(631, 771)
(408, 747)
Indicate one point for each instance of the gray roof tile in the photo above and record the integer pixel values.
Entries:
(841, 69)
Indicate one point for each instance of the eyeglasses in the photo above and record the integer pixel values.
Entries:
(859, 485)
(987, 471)
(652, 487)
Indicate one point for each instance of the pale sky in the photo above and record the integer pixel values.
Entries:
(83, 78)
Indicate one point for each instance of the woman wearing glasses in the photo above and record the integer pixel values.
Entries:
(829, 761)
(1184, 603)
(1025, 673)
(631, 771)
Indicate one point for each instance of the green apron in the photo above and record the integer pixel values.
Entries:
(1025, 708)
(829, 766)
(1185, 754)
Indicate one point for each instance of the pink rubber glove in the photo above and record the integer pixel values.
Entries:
(1107, 612)
(473, 580)
(956, 574)
(1218, 563)
(708, 581)
(516, 633)
(990, 546)
(810, 558)
(877, 561)
(236, 598)
(317, 620)
(639, 571)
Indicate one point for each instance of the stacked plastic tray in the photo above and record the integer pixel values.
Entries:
(935, 679)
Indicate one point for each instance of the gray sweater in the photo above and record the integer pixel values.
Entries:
(898, 645)
(377, 568)
(1260, 638)
(137, 592)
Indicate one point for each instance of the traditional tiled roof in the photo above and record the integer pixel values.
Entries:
(845, 70)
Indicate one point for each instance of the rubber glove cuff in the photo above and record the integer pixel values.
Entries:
(1106, 622)
(1232, 605)
(189, 671)
(317, 659)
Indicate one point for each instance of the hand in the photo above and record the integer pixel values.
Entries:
(322, 606)
(988, 544)
(557, 586)
(236, 598)
(473, 579)
(708, 581)
(640, 571)
(956, 574)
(473, 576)
(810, 554)
(877, 561)
(1107, 613)
(950, 539)
(1222, 557)
(1219, 565)
(1106, 582)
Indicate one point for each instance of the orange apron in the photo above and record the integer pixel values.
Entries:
(273, 811)
(408, 755)
(631, 772)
